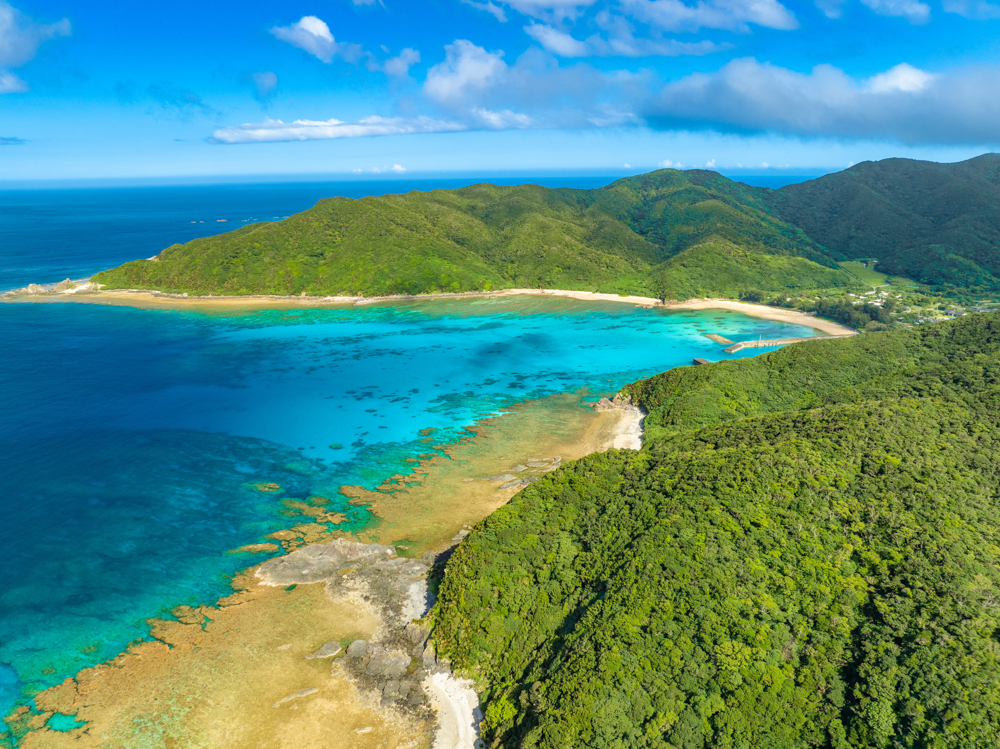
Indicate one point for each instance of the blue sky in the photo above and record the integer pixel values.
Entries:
(385, 87)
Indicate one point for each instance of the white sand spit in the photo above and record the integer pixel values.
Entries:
(458, 712)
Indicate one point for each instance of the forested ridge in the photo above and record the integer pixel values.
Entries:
(805, 553)
(667, 234)
(936, 223)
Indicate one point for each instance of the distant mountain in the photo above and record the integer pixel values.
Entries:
(668, 234)
(935, 223)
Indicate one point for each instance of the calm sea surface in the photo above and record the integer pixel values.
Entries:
(130, 437)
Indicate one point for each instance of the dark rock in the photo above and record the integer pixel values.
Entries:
(357, 649)
(391, 689)
(328, 650)
(415, 633)
(389, 663)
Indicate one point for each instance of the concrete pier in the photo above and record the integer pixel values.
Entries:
(777, 342)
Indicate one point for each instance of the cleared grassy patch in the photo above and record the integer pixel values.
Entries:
(869, 276)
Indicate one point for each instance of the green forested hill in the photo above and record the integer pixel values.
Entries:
(936, 223)
(806, 553)
(657, 235)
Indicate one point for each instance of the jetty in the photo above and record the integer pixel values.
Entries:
(718, 339)
(777, 342)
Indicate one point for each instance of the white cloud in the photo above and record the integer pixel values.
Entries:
(481, 88)
(913, 10)
(466, 68)
(313, 35)
(764, 165)
(399, 66)
(902, 77)
(674, 15)
(710, 164)
(20, 38)
(978, 10)
(626, 166)
(620, 42)
(11, 84)
(489, 7)
(474, 89)
(550, 10)
(557, 42)
(830, 8)
(265, 84)
(903, 103)
(275, 131)
(668, 164)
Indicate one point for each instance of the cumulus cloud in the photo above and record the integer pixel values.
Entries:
(489, 7)
(20, 38)
(474, 89)
(902, 77)
(903, 103)
(733, 15)
(466, 69)
(668, 164)
(477, 85)
(272, 131)
(913, 10)
(977, 10)
(620, 43)
(314, 36)
(399, 66)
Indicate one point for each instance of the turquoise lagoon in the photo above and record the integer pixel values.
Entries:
(130, 436)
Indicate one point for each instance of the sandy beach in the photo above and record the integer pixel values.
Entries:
(159, 300)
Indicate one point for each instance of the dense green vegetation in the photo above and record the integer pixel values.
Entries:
(806, 553)
(667, 234)
(936, 223)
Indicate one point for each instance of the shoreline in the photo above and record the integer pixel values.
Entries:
(282, 623)
(144, 298)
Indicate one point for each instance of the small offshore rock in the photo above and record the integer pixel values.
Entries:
(518, 468)
(296, 695)
(460, 535)
(328, 650)
(516, 483)
(502, 477)
(357, 649)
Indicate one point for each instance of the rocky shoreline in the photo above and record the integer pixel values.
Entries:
(396, 668)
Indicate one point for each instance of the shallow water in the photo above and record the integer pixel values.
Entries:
(131, 437)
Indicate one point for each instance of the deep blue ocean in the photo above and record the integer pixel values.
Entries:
(130, 438)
